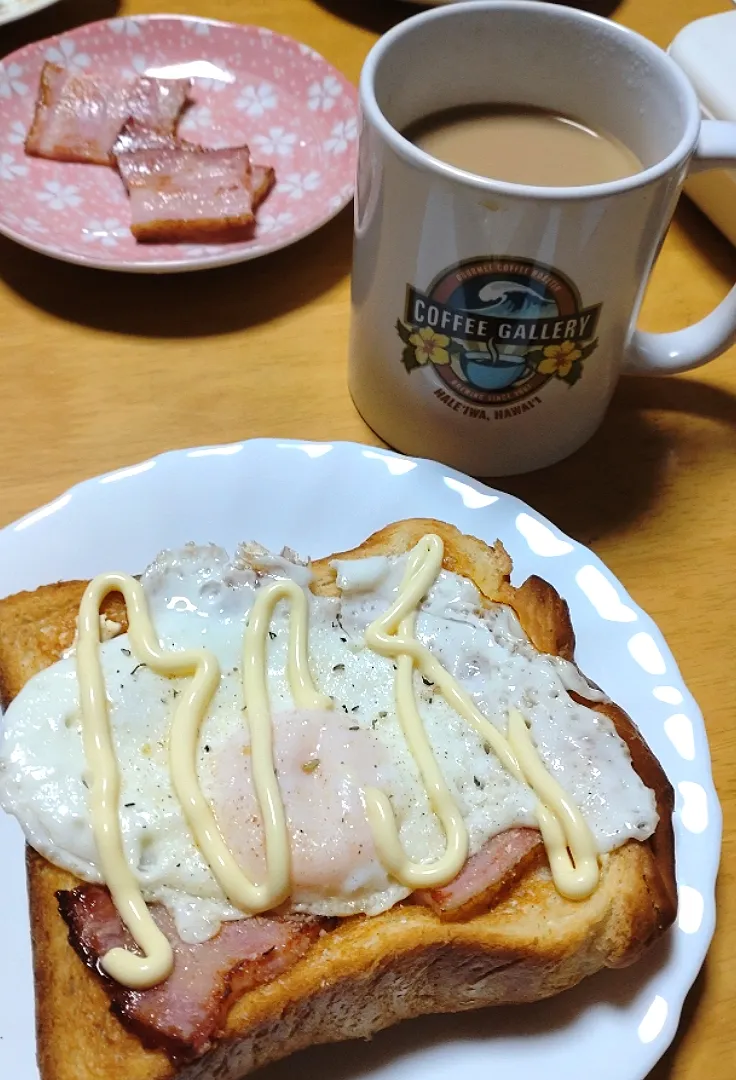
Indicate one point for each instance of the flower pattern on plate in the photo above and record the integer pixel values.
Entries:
(33, 225)
(342, 135)
(288, 104)
(59, 196)
(137, 66)
(271, 223)
(10, 168)
(125, 27)
(323, 95)
(17, 133)
(257, 100)
(298, 185)
(66, 55)
(10, 80)
(278, 141)
(106, 232)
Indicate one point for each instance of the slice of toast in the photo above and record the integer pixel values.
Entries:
(368, 973)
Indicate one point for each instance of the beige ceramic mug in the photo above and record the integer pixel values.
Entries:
(491, 321)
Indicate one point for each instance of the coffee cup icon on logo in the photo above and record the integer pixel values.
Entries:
(485, 370)
(499, 368)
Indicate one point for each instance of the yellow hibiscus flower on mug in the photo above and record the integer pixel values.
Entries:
(430, 347)
(558, 359)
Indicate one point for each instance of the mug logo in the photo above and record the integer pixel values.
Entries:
(496, 330)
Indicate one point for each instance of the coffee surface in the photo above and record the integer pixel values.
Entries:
(522, 145)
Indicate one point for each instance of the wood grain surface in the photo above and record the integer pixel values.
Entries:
(100, 370)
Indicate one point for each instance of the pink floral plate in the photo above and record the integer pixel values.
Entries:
(251, 85)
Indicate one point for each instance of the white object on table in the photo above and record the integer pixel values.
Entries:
(706, 52)
(11, 10)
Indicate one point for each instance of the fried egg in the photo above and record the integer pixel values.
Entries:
(324, 760)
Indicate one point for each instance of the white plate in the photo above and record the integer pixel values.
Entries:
(318, 498)
(11, 10)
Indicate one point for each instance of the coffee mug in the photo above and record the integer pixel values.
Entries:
(491, 320)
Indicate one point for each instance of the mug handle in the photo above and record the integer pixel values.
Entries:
(682, 350)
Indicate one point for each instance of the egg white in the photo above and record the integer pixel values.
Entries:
(199, 597)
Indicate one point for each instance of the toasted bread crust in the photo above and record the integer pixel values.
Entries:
(368, 973)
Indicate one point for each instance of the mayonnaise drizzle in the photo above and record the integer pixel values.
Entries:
(567, 837)
(422, 568)
(560, 822)
(276, 887)
(157, 961)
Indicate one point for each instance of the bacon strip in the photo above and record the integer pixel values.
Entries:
(156, 108)
(189, 194)
(184, 1014)
(137, 136)
(263, 178)
(157, 104)
(79, 117)
(486, 876)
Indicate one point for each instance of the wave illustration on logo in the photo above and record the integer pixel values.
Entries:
(497, 329)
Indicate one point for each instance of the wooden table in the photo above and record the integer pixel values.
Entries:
(101, 370)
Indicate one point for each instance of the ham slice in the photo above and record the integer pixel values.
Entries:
(189, 194)
(184, 1014)
(486, 875)
(79, 117)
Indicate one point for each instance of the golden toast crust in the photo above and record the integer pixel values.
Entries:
(368, 973)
